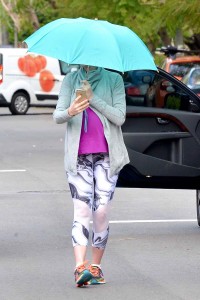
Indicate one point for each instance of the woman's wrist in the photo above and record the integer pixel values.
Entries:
(69, 113)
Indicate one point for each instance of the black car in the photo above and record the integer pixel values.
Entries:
(162, 133)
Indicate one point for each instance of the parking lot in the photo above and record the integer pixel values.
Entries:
(154, 247)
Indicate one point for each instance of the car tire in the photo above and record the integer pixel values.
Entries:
(198, 206)
(20, 103)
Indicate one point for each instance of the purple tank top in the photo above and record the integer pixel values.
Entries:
(92, 141)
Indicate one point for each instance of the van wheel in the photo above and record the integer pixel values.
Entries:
(19, 104)
(198, 206)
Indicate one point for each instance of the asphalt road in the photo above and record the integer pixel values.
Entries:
(154, 247)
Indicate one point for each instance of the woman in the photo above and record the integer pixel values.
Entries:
(94, 155)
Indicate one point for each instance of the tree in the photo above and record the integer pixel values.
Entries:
(177, 16)
(27, 15)
(155, 21)
(9, 7)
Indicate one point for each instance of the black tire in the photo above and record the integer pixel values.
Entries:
(198, 206)
(19, 104)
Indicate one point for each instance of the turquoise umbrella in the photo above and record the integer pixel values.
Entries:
(92, 42)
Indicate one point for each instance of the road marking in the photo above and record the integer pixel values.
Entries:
(152, 221)
(10, 171)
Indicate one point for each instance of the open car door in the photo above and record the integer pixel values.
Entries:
(161, 132)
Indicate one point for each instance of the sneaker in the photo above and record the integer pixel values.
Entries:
(82, 275)
(97, 275)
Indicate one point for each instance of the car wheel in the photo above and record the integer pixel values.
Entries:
(198, 206)
(19, 103)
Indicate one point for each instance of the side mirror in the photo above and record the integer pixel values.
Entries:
(193, 107)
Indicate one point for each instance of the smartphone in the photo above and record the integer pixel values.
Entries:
(82, 93)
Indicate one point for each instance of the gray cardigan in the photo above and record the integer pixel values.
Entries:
(109, 104)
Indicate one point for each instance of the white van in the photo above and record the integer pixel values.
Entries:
(28, 79)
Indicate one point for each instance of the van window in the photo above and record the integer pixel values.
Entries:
(1, 68)
(67, 68)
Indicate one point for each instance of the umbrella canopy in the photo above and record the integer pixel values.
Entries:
(92, 42)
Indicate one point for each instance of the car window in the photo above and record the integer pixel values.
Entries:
(181, 69)
(136, 85)
(194, 80)
(150, 89)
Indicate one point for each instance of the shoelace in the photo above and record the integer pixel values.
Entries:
(95, 271)
(81, 267)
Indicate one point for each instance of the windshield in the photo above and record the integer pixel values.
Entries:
(192, 79)
(181, 69)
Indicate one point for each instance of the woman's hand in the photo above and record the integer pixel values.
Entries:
(78, 106)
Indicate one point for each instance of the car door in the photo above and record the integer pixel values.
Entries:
(161, 132)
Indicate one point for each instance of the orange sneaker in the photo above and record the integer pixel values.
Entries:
(97, 275)
(82, 275)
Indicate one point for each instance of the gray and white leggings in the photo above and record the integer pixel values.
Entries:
(92, 190)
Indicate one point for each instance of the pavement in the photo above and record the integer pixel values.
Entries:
(154, 247)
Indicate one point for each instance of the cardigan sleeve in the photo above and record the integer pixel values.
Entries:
(117, 112)
(61, 115)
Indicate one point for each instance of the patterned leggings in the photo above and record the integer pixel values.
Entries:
(92, 190)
